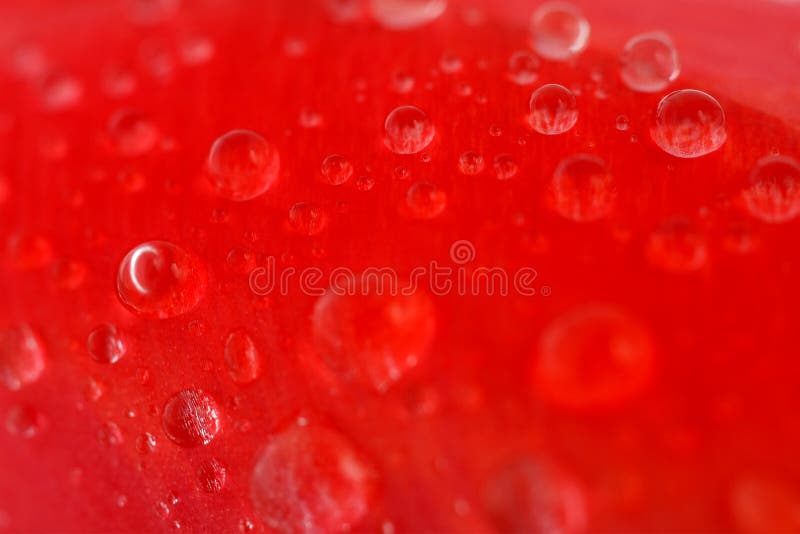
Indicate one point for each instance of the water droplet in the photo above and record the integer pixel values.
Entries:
(105, 344)
(593, 356)
(119, 82)
(29, 250)
(425, 200)
(242, 165)
(505, 167)
(110, 434)
(471, 163)
(307, 218)
(649, 63)
(495, 130)
(22, 356)
(554, 110)
(559, 31)
(527, 495)
(523, 68)
(132, 133)
(197, 50)
(583, 189)
(408, 130)
(623, 123)
(61, 92)
(241, 260)
(373, 338)
(310, 118)
(146, 443)
(336, 169)
(25, 421)
(344, 11)
(158, 279)
(211, 475)
(406, 14)
(242, 357)
(311, 479)
(402, 81)
(677, 247)
(365, 183)
(451, 63)
(190, 418)
(773, 195)
(689, 124)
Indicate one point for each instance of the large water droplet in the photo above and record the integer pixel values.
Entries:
(373, 339)
(583, 189)
(311, 479)
(425, 200)
(593, 356)
(190, 418)
(649, 63)
(408, 130)
(336, 169)
(158, 279)
(132, 133)
(22, 356)
(554, 109)
(242, 165)
(406, 14)
(689, 124)
(559, 31)
(528, 496)
(773, 195)
(105, 344)
(242, 357)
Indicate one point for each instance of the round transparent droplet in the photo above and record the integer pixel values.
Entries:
(471, 163)
(105, 344)
(425, 200)
(307, 218)
(773, 194)
(336, 169)
(583, 189)
(242, 357)
(559, 31)
(523, 67)
(408, 130)
(132, 133)
(22, 356)
(242, 165)
(190, 418)
(689, 124)
(649, 63)
(554, 110)
(406, 14)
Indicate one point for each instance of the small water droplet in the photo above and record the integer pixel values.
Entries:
(309, 118)
(22, 356)
(241, 260)
(190, 418)
(336, 169)
(450, 63)
(471, 163)
(554, 110)
(25, 421)
(105, 344)
(523, 68)
(211, 475)
(505, 167)
(406, 14)
(365, 183)
(689, 124)
(773, 194)
(677, 247)
(110, 434)
(623, 123)
(61, 92)
(649, 63)
(495, 130)
(242, 357)
(559, 31)
(402, 81)
(158, 279)
(408, 130)
(583, 189)
(197, 50)
(345, 11)
(290, 493)
(146, 443)
(132, 133)
(242, 165)
(425, 200)
(307, 218)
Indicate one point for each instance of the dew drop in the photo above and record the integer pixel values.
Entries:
(406, 14)
(593, 356)
(310, 118)
(450, 63)
(677, 247)
(242, 358)
(425, 200)
(523, 68)
(689, 124)
(408, 130)
(773, 194)
(241, 260)
(505, 167)
(197, 50)
(623, 123)
(371, 338)
(345, 11)
(146, 443)
(110, 434)
(471, 163)
(242, 165)
(105, 344)
(211, 476)
(158, 279)
(649, 63)
(336, 169)
(190, 418)
(25, 421)
(311, 479)
(61, 92)
(307, 218)
(559, 31)
(22, 356)
(365, 183)
(402, 81)
(583, 189)
(554, 109)
(132, 133)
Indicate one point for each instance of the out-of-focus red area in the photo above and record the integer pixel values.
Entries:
(478, 427)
